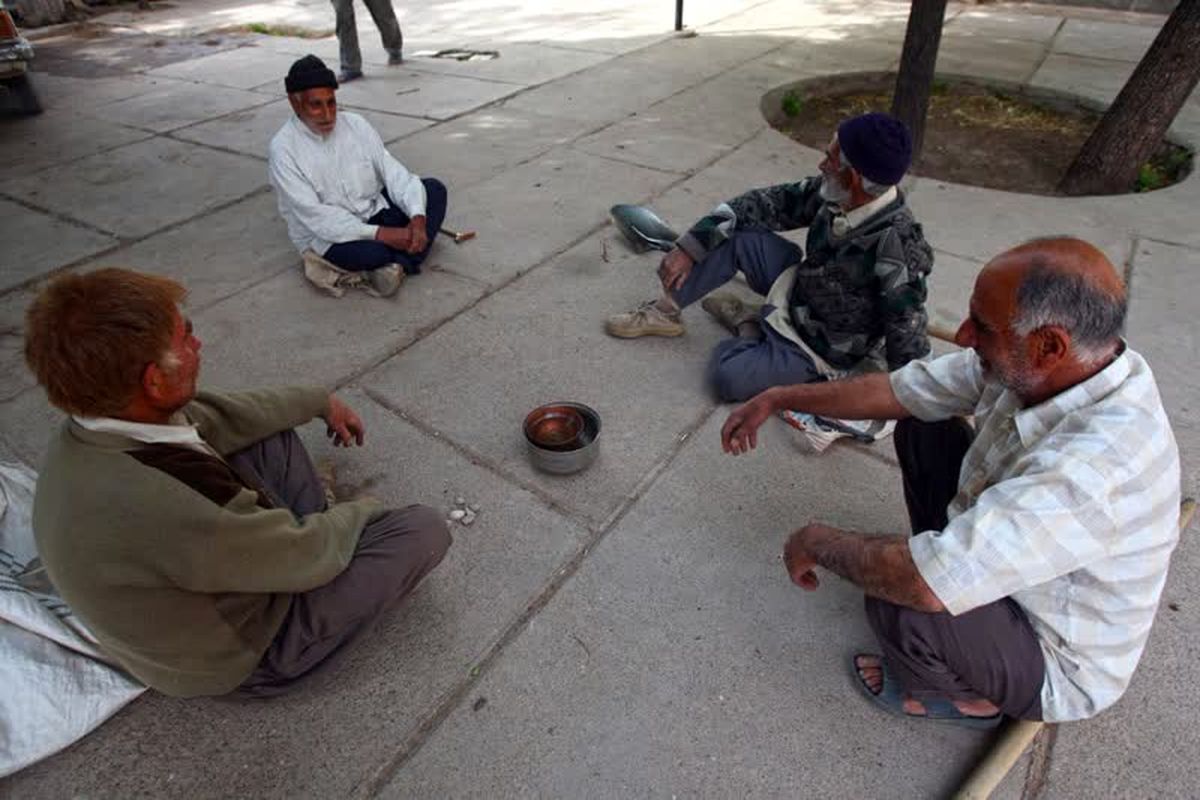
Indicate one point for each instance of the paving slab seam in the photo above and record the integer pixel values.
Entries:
(1047, 49)
(150, 135)
(57, 215)
(1127, 267)
(218, 148)
(120, 241)
(479, 459)
(1158, 240)
(657, 469)
(1040, 757)
(266, 102)
(615, 160)
(434, 73)
(454, 697)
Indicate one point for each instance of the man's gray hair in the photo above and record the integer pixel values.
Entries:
(1093, 317)
(871, 187)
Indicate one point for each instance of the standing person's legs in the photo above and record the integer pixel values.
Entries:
(395, 551)
(389, 29)
(347, 36)
(741, 367)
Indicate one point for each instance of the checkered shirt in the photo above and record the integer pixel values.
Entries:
(1069, 507)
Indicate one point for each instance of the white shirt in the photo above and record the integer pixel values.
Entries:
(1069, 507)
(328, 187)
(179, 431)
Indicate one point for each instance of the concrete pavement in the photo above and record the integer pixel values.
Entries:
(629, 631)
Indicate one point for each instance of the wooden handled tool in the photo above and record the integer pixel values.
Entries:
(459, 236)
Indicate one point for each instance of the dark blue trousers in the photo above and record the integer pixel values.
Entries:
(741, 367)
(369, 254)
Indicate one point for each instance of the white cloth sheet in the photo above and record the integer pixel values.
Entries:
(55, 685)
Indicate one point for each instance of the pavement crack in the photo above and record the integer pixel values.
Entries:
(1127, 274)
(373, 785)
(1046, 53)
(1040, 756)
(477, 458)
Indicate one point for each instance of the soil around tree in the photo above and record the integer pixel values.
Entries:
(975, 134)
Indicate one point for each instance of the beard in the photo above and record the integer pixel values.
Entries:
(1014, 376)
(833, 190)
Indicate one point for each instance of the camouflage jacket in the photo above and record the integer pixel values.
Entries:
(852, 293)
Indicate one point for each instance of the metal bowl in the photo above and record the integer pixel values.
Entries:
(564, 459)
(554, 427)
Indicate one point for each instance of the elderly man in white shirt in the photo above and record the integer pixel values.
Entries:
(1042, 537)
(354, 212)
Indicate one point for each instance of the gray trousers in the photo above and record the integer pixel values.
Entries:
(347, 32)
(395, 551)
(741, 367)
(988, 652)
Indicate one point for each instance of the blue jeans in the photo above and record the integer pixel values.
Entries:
(742, 367)
(368, 254)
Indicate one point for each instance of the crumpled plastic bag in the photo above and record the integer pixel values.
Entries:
(55, 682)
(814, 434)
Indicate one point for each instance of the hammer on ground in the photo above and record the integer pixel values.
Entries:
(459, 236)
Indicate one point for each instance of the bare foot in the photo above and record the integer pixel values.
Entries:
(870, 670)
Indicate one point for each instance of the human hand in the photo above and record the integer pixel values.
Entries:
(739, 434)
(674, 269)
(418, 235)
(342, 425)
(395, 238)
(800, 565)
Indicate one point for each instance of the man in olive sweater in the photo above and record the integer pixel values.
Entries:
(190, 530)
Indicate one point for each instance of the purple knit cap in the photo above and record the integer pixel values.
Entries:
(877, 146)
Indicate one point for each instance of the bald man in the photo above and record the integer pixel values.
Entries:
(1041, 538)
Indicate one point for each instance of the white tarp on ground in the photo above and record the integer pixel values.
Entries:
(55, 685)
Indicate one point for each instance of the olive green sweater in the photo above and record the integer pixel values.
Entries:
(182, 571)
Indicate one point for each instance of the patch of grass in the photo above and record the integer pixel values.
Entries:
(939, 88)
(792, 103)
(1168, 166)
(294, 31)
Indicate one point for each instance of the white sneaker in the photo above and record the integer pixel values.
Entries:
(646, 320)
(329, 279)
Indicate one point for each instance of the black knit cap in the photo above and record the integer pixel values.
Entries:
(877, 146)
(309, 72)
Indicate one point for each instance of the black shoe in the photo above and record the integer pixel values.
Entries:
(347, 75)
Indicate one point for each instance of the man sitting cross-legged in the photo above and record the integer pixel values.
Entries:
(189, 530)
(856, 298)
(354, 212)
(1042, 537)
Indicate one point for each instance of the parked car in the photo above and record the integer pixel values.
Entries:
(16, 90)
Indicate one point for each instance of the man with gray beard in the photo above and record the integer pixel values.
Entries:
(1042, 533)
(855, 302)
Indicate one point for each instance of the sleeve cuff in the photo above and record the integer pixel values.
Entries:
(691, 245)
(905, 395)
(923, 550)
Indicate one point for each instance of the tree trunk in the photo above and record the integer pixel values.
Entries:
(915, 78)
(1132, 129)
